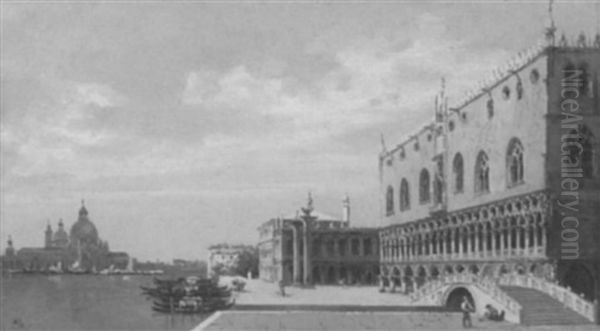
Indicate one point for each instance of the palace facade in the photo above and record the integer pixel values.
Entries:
(310, 247)
(507, 180)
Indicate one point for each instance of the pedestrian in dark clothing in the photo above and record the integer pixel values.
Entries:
(467, 309)
(282, 288)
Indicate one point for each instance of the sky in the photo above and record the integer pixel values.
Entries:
(186, 124)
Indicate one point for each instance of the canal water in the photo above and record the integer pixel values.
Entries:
(82, 302)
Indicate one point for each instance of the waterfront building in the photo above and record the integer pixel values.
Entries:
(82, 249)
(223, 258)
(310, 247)
(504, 181)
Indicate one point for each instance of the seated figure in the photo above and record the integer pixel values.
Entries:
(492, 313)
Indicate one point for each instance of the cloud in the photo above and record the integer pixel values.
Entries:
(53, 127)
(174, 113)
(372, 81)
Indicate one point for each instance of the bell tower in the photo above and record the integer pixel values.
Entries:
(48, 236)
(346, 210)
(10, 250)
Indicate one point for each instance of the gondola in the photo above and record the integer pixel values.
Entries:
(187, 296)
(190, 309)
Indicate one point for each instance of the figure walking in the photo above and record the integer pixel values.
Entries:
(467, 309)
(282, 288)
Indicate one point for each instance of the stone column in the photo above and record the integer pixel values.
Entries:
(535, 240)
(431, 243)
(493, 240)
(402, 283)
(476, 237)
(543, 243)
(460, 242)
(415, 247)
(296, 255)
(484, 241)
(510, 239)
(306, 266)
(519, 234)
(469, 243)
(503, 241)
(361, 248)
(451, 241)
(400, 249)
(374, 247)
(526, 231)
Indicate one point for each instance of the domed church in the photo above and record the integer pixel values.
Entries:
(81, 248)
(84, 231)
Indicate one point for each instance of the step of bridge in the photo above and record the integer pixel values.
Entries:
(541, 309)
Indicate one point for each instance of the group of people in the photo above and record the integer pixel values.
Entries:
(490, 313)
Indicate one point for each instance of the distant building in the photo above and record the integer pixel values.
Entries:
(223, 256)
(82, 248)
(314, 248)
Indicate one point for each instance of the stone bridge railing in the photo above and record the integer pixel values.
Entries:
(563, 294)
(485, 284)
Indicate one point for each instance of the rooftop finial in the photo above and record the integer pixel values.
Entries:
(309, 204)
(551, 28)
(383, 148)
(83, 211)
(443, 84)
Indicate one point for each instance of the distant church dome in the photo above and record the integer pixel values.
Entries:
(84, 230)
(61, 238)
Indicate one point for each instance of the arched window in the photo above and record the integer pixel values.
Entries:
(577, 75)
(458, 173)
(424, 192)
(587, 83)
(519, 89)
(389, 201)
(490, 107)
(514, 162)
(482, 173)
(582, 152)
(589, 156)
(404, 195)
(342, 247)
(367, 246)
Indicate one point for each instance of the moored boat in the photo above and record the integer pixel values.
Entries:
(188, 295)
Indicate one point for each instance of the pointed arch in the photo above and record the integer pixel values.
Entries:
(589, 154)
(389, 201)
(404, 195)
(583, 151)
(482, 173)
(514, 162)
(458, 173)
(424, 187)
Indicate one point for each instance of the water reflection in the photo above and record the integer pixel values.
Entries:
(71, 302)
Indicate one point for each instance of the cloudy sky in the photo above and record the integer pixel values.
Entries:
(187, 124)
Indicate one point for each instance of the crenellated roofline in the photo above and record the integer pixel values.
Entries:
(500, 74)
